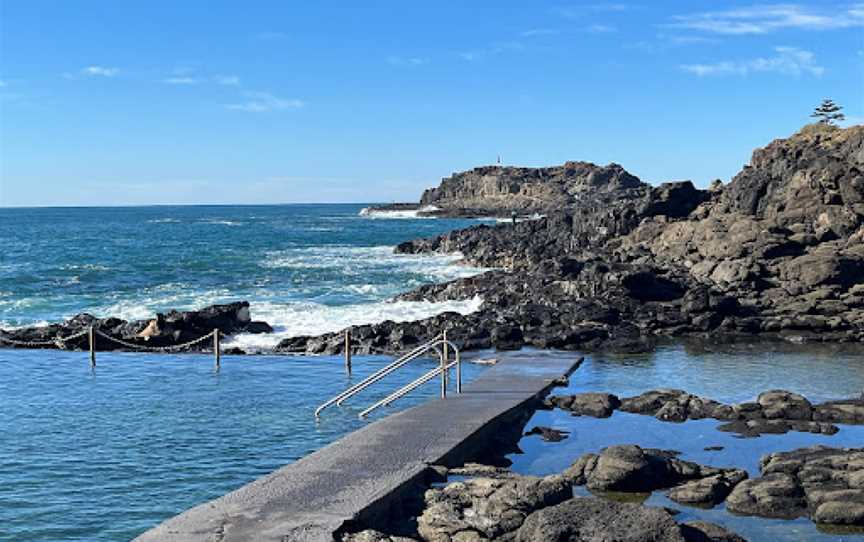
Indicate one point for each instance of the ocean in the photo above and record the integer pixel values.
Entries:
(305, 269)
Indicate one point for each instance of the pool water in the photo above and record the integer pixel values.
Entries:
(727, 373)
(107, 454)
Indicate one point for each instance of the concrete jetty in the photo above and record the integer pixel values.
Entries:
(361, 476)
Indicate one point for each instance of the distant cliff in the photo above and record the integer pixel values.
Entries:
(500, 190)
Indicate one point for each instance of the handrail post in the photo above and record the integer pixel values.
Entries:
(91, 341)
(348, 351)
(458, 372)
(444, 367)
(217, 353)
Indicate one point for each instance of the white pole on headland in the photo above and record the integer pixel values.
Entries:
(217, 354)
(91, 341)
(348, 351)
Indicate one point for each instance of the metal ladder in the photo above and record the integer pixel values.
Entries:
(439, 345)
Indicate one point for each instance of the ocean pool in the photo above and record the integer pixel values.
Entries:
(106, 454)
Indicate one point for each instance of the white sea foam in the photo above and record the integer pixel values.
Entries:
(223, 222)
(163, 221)
(370, 212)
(296, 319)
(85, 267)
(363, 260)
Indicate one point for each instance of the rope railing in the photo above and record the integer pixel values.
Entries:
(56, 341)
(143, 348)
(91, 332)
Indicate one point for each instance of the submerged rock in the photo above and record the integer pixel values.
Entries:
(548, 434)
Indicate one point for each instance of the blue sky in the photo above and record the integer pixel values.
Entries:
(159, 102)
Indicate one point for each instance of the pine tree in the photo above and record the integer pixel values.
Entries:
(828, 112)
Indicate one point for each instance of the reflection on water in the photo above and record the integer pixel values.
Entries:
(106, 455)
(729, 374)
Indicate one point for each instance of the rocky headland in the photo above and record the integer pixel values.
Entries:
(776, 253)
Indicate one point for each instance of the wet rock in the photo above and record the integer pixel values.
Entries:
(487, 508)
(774, 412)
(775, 496)
(781, 404)
(589, 519)
(757, 427)
(548, 434)
(598, 405)
(675, 406)
(844, 411)
(702, 531)
(630, 468)
(824, 483)
(709, 491)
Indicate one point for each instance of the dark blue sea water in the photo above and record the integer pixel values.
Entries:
(305, 268)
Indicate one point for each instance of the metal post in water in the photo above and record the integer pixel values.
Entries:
(91, 341)
(348, 351)
(217, 353)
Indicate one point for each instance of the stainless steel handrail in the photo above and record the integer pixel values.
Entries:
(408, 388)
(443, 369)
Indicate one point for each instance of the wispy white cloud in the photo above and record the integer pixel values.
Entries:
(577, 11)
(405, 61)
(261, 102)
(99, 71)
(786, 61)
(185, 77)
(762, 19)
(181, 80)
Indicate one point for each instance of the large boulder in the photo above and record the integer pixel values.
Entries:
(587, 519)
(630, 468)
(826, 484)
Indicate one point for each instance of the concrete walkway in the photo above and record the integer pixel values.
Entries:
(361, 474)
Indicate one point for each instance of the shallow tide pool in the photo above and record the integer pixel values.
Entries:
(104, 455)
(727, 373)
